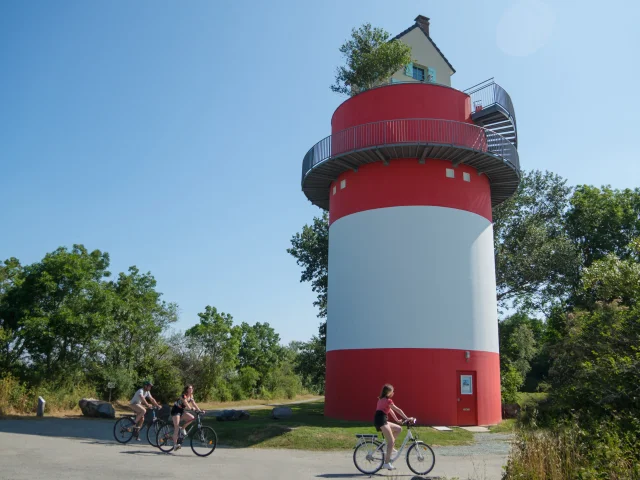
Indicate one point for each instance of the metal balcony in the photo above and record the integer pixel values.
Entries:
(490, 153)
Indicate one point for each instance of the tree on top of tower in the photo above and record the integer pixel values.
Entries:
(370, 59)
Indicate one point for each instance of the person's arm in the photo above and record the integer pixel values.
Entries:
(393, 414)
(397, 410)
(195, 405)
(153, 400)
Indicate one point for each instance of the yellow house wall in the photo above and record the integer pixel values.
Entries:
(424, 55)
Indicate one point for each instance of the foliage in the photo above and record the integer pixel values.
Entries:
(510, 382)
(535, 258)
(67, 328)
(214, 344)
(311, 360)
(371, 57)
(611, 278)
(604, 221)
(569, 451)
(310, 248)
(260, 349)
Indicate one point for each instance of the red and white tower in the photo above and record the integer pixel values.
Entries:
(409, 176)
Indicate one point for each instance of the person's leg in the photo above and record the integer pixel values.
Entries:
(140, 411)
(187, 418)
(388, 436)
(176, 429)
(395, 431)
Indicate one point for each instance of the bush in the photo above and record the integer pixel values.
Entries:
(510, 382)
(570, 452)
(17, 398)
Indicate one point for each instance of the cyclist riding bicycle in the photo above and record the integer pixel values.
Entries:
(179, 411)
(139, 398)
(390, 431)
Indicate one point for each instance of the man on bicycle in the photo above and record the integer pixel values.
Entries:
(140, 398)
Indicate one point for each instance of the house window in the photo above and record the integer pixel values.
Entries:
(418, 73)
(343, 183)
(450, 173)
(466, 176)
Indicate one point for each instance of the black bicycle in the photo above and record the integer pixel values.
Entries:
(124, 429)
(203, 438)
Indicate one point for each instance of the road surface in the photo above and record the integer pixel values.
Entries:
(72, 449)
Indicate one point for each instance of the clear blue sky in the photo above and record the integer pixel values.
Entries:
(171, 134)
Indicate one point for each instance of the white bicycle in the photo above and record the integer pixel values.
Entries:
(368, 456)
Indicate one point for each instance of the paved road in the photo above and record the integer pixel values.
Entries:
(72, 449)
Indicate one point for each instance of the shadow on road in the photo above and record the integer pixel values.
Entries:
(143, 452)
(94, 429)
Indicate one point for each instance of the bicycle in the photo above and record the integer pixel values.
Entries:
(203, 438)
(368, 456)
(123, 430)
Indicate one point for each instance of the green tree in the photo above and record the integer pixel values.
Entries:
(214, 344)
(132, 339)
(603, 221)
(60, 310)
(311, 360)
(370, 57)
(259, 349)
(311, 251)
(11, 343)
(536, 261)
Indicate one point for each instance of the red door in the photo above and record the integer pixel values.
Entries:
(467, 410)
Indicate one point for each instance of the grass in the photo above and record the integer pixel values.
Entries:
(506, 426)
(529, 399)
(255, 402)
(308, 429)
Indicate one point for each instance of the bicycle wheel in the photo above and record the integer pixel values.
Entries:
(164, 439)
(368, 457)
(123, 429)
(420, 458)
(152, 432)
(204, 441)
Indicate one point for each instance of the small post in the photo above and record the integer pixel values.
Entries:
(41, 404)
(110, 386)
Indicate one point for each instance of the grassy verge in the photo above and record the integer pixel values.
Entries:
(308, 429)
(256, 403)
(506, 426)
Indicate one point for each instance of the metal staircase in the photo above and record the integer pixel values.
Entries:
(492, 108)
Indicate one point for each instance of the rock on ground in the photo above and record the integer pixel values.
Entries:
(232, 415)
(96, 408)
(281, 412)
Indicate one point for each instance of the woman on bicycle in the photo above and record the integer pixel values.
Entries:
(390, 431)
(178, 412)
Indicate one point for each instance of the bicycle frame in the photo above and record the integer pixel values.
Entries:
(196, 423)
(407, 439)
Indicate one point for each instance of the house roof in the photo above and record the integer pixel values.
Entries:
(426, 34)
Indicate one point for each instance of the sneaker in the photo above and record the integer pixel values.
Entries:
(388, 466)
(394, 452)
(183, 432)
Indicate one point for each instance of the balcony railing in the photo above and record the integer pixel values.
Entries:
(416, 131)
(489, 93)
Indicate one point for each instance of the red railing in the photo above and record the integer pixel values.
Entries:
(411, 131)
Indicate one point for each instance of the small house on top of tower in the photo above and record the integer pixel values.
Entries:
(429, 63)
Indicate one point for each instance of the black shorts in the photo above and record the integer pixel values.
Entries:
(380, 419)
(176, 411)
